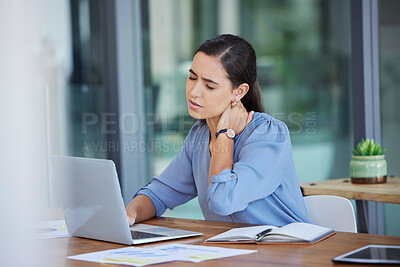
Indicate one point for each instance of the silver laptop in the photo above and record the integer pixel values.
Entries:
(93, 205)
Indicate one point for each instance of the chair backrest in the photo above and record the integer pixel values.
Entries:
(331, 211)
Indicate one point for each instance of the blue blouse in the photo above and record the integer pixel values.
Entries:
(262, 187)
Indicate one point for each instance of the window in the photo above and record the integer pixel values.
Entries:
(303, 52)
(389, 41)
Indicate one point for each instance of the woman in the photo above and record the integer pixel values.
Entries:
(236, 159)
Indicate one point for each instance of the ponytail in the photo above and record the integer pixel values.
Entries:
(252, 101)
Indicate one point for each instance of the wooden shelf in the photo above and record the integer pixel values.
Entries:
(388, 192)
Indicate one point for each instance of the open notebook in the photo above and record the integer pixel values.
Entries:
(291, 233)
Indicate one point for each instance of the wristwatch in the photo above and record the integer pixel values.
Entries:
(229, 133)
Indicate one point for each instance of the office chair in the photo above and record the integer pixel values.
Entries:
(331, 211)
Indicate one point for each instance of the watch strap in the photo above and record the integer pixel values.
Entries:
(220, 132)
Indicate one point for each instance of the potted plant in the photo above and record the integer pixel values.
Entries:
(368, 164)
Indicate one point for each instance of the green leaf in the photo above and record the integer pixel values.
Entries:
(368, 147)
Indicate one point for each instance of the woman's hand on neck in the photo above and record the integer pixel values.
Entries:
(236, 118)
(212, 125)
(222, 148)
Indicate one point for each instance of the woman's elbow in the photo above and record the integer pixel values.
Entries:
(224, 207)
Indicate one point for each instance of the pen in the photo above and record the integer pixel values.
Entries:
(262, 234)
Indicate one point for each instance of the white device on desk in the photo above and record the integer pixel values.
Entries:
(93, 205)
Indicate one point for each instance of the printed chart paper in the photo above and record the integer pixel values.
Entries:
(50, 229)
(135, 256)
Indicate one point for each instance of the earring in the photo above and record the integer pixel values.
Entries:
(234, 102)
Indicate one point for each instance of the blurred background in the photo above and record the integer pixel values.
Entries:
(110, 81)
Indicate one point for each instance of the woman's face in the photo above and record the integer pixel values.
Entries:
(208, 89)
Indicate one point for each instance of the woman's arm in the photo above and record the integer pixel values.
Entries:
(173, 187)
(235, 118)
(139, 209)
(222, 156)
(257, 173)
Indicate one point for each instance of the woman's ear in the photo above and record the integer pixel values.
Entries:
(240, 91)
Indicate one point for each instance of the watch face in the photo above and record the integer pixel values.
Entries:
(230, 133)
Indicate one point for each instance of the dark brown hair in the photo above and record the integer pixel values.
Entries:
(239, 59)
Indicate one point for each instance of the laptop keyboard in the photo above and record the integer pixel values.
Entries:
(142, 235)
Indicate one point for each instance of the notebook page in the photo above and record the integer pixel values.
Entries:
(247, 232)
(304, 231)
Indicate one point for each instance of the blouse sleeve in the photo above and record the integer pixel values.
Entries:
(257, 172)
(174, 186)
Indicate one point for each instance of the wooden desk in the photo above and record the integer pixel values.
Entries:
(268, 255)
(388, 192)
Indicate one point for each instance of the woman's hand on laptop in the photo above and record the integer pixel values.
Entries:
(131, 216)
(139, 209)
